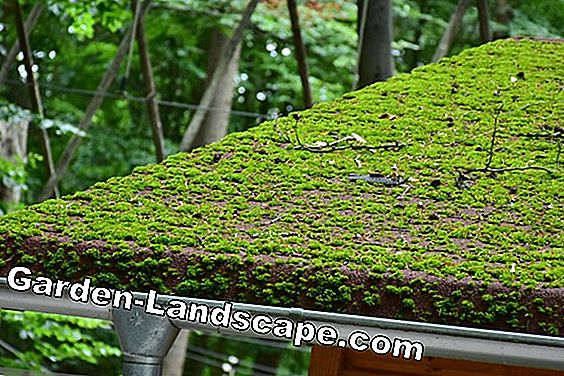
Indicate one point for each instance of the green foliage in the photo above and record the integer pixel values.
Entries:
(207, 352)
(10, 112)
(56, 341)
(542, 18)
(83, 16)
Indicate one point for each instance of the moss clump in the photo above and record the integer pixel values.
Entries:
(262, 217)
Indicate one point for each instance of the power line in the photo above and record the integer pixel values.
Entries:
(262, 342)
(132, 98)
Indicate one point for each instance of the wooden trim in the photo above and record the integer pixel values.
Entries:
(331, 361)
(325, 361)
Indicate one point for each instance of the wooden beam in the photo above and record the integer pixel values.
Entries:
(326, 361)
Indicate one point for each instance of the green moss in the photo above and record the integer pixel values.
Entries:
(256, 218)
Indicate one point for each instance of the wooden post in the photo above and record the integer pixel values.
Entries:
(153, 107)
(301, 54)
(333, 361)
(34, 93)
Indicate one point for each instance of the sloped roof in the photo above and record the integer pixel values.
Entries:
(273, 215)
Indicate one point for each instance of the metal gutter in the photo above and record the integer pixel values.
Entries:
(490, 346)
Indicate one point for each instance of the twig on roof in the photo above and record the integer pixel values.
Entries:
(509, 169)
(329, 147)
(488, 169)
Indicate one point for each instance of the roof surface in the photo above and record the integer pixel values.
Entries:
(272, 215)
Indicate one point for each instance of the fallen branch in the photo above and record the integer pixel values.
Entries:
(492, 143)
(329, 147)
(541, 135)
(462, 180)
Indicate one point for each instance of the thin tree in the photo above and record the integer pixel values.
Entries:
(503, 14)
(216, 120)
(30, 22)
(34, 94)
(174, 361)
(13, 148)
(301, 54)
(451, 30)
(93, 106)
(211, 89)
(375, 61)
(484, 20)
(153, 107)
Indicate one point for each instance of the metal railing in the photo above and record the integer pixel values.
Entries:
(145, 339)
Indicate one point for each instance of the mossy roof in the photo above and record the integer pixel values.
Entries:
(270, 215)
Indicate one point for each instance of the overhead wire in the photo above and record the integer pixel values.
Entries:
(263, 342)
(132, 98)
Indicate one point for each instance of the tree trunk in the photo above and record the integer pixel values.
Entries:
(451, 30)
(152, 105)
(211, 89)
(34, 94)
(174, 360)
(95, 103)
(484, 19)
(301, 54)
(10, 57)
(13, 146)
(503, 15)
(375, 40)
(216, 120)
